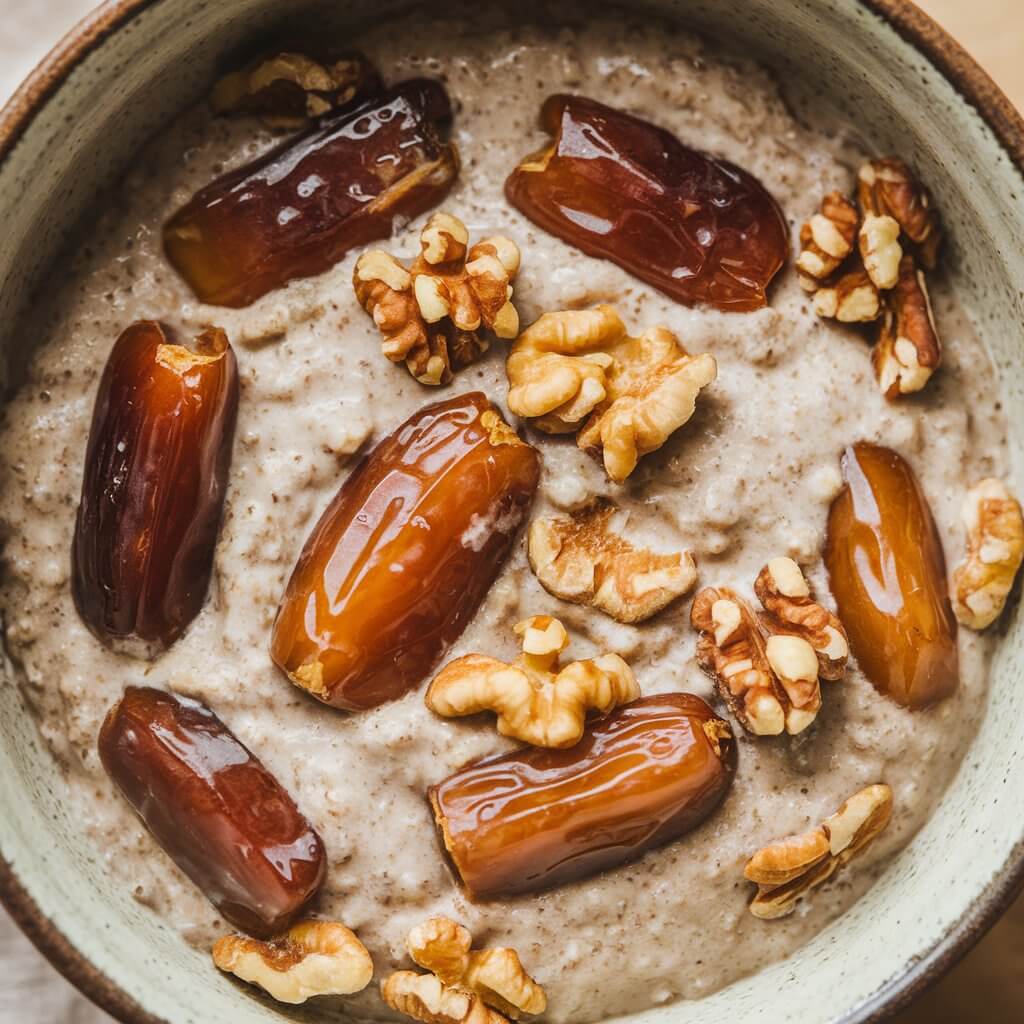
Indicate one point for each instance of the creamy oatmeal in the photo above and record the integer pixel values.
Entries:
(750, 477)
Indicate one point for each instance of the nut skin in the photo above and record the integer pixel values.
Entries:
(402, 557)
(257, 228)
(156, 471)
(656, 204)
(641, 777)
(887, 573)
(213, 807)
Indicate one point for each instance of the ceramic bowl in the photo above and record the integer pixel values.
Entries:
(127, 68)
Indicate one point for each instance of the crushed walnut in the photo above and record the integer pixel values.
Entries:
(580, 558)
(289, 89)
(578, 371)
(313, 958)
(536, 699)
(995, 549)
(879, 280)
(465, 986)
(787, 870)
(432, 313)
(767, 668)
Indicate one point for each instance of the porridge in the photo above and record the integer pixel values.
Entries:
(750, 478)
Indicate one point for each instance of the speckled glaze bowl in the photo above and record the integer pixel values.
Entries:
(125, 70)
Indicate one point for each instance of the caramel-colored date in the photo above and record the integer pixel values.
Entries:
(698, 228)
(296, 211)
(403, 556)
(213, 807)
(156, 469)
(888, 576)
(640, 777)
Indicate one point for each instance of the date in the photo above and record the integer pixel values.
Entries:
(641, 777)
(297, 210)
(213, 807)
(887, 572)
(698, 228)
(156, 470)
(402, 557)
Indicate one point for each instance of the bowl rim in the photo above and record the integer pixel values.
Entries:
(973, 84)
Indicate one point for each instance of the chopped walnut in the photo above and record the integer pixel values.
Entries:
(827, 239)
(767, 668)
(787, 870)
(888, 187)
(465, 986)
(431, 314)
(313, 958)
(580, 559)
(995, 549)
(289, 89)
(907, 351)
(880, 249)
(851, 298)
(578, 370)
(536, 700)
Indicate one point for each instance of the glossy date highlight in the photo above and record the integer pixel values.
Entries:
(156, 471)
(213, 807)
(641, 777)
(696, 227)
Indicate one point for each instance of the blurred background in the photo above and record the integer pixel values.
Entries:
(987, 986)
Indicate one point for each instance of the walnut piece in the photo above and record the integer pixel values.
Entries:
(577, 370)
(767, 668)
(465, 986)
(431, 314)
(827, 239)
(536, 700)
(907, 351)
(313, 958)
(787, 870)
(995, 549)
(580, 559)
(887, 187)
(851, 298)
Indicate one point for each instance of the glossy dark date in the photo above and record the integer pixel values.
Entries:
(296, 211)
(213, 807)
(698, 228)
(641, 776)
(156, 470)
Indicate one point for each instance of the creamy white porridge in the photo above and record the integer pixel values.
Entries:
(751, 476)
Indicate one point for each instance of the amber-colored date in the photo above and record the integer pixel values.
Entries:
(296, 211)
(698, 228)
(404, 554)
(887, 572)
(213, 807)
(640, 777)
(156, 470)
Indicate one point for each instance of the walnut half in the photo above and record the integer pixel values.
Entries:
(995, 549)
(580, 559)
(536, 700)
(577, 370)
(787, 870)
(465, 986)
(431, 314)
(313, 958)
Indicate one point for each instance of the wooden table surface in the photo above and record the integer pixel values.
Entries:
(987, 986)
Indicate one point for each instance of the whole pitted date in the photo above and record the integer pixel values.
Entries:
(888, 576)
(156, 470)
(698, 228)
(216, 811)
(404, 554)
(640, 777)
(297, 210)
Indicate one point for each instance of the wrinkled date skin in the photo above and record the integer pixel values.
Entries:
(213, 807)
(404, 554)
(887, 572)
(699, 229)
(156, 470)
(641, 776)
(296, 211)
